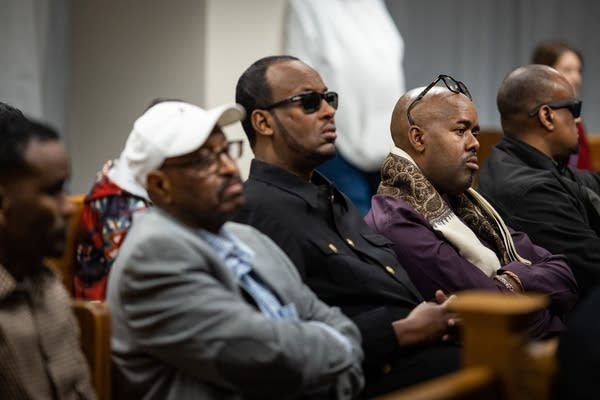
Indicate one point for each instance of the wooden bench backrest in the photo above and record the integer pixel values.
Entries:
(65, 265)
(499, 362)
(94, 323)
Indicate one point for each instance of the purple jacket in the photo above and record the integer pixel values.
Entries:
(433, 263)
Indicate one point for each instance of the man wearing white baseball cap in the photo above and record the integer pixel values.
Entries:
(116, 195)
(205, 308)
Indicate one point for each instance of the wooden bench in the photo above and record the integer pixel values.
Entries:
(594, 142)
(94, 325)
(499, 362)
(93, 316)
(487, 140)
(65, 265)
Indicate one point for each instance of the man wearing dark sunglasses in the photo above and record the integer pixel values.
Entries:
(291, 128)
(449, 237)
(527, 177)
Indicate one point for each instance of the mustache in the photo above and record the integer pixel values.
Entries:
(228, 182)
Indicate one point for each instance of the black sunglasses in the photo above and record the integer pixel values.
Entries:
(452, 84)
(574, 106)
(310, 101)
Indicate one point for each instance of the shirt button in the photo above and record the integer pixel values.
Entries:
(332, 247)
(390, 270)
(350, 242)
(386, 368)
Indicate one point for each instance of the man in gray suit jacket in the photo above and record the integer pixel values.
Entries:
(205, 308)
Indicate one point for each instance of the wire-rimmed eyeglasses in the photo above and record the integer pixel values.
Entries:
(452, 84)
(208, 162)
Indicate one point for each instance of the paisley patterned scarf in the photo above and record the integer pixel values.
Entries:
(471, 216)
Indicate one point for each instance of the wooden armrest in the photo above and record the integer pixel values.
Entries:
(539, 368)
(94, 323)
(65, 265)
(499, 361)
(494, 336)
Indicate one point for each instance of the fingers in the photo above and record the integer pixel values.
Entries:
(440, 296)
(443, 299)
(450, 299)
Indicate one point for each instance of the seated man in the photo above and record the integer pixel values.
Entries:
(40, 355)
(291, 129)
(449, 236)
(527, 178)
(208, 309)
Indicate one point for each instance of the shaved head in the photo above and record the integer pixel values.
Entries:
(524, 89)
(442, 140)
(399, 125)
(429, 109)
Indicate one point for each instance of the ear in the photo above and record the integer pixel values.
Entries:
(262, 122)
(159, 187)
(415, 137)
(546, 118)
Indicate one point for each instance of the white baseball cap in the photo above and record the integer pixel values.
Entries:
(168, 129)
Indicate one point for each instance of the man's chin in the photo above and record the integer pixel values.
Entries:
(233, 205)
(327, 152)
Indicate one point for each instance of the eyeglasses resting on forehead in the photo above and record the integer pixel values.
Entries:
(208, 162)
(574, 106)
(310, 101)
(452, 84)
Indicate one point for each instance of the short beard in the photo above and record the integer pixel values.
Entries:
(313, 158)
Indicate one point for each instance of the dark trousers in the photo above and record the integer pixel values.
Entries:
(413, 366)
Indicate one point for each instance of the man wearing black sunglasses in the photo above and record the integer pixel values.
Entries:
(291, 129)
(527, 176)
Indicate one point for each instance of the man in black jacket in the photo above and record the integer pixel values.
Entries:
(291, 129)
(527, 177)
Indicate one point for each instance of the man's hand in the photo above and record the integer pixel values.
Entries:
(427, 322)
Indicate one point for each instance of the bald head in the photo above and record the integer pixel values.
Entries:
(524, 89)
(442, 139)
(399, 125)
(431, 108)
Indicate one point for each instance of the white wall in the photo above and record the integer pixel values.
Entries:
(125, 53)
(238, 33)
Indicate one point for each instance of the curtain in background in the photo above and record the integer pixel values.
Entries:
(480, 41)
(34, 58)
(477, 41)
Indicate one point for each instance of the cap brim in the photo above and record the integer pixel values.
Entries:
(229, 114)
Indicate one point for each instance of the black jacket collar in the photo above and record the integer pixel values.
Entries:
(531, 156)
(287, 181)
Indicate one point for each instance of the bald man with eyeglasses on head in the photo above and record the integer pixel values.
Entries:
(448, 236)
(527, 177)
(291, 128)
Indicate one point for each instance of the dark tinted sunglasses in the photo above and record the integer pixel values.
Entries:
(574, 106)
(310, 101)
(452, 84)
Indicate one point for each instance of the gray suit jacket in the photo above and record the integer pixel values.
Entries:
(182, 328)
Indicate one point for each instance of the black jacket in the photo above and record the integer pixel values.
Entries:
(557, 206)
(338, 256)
